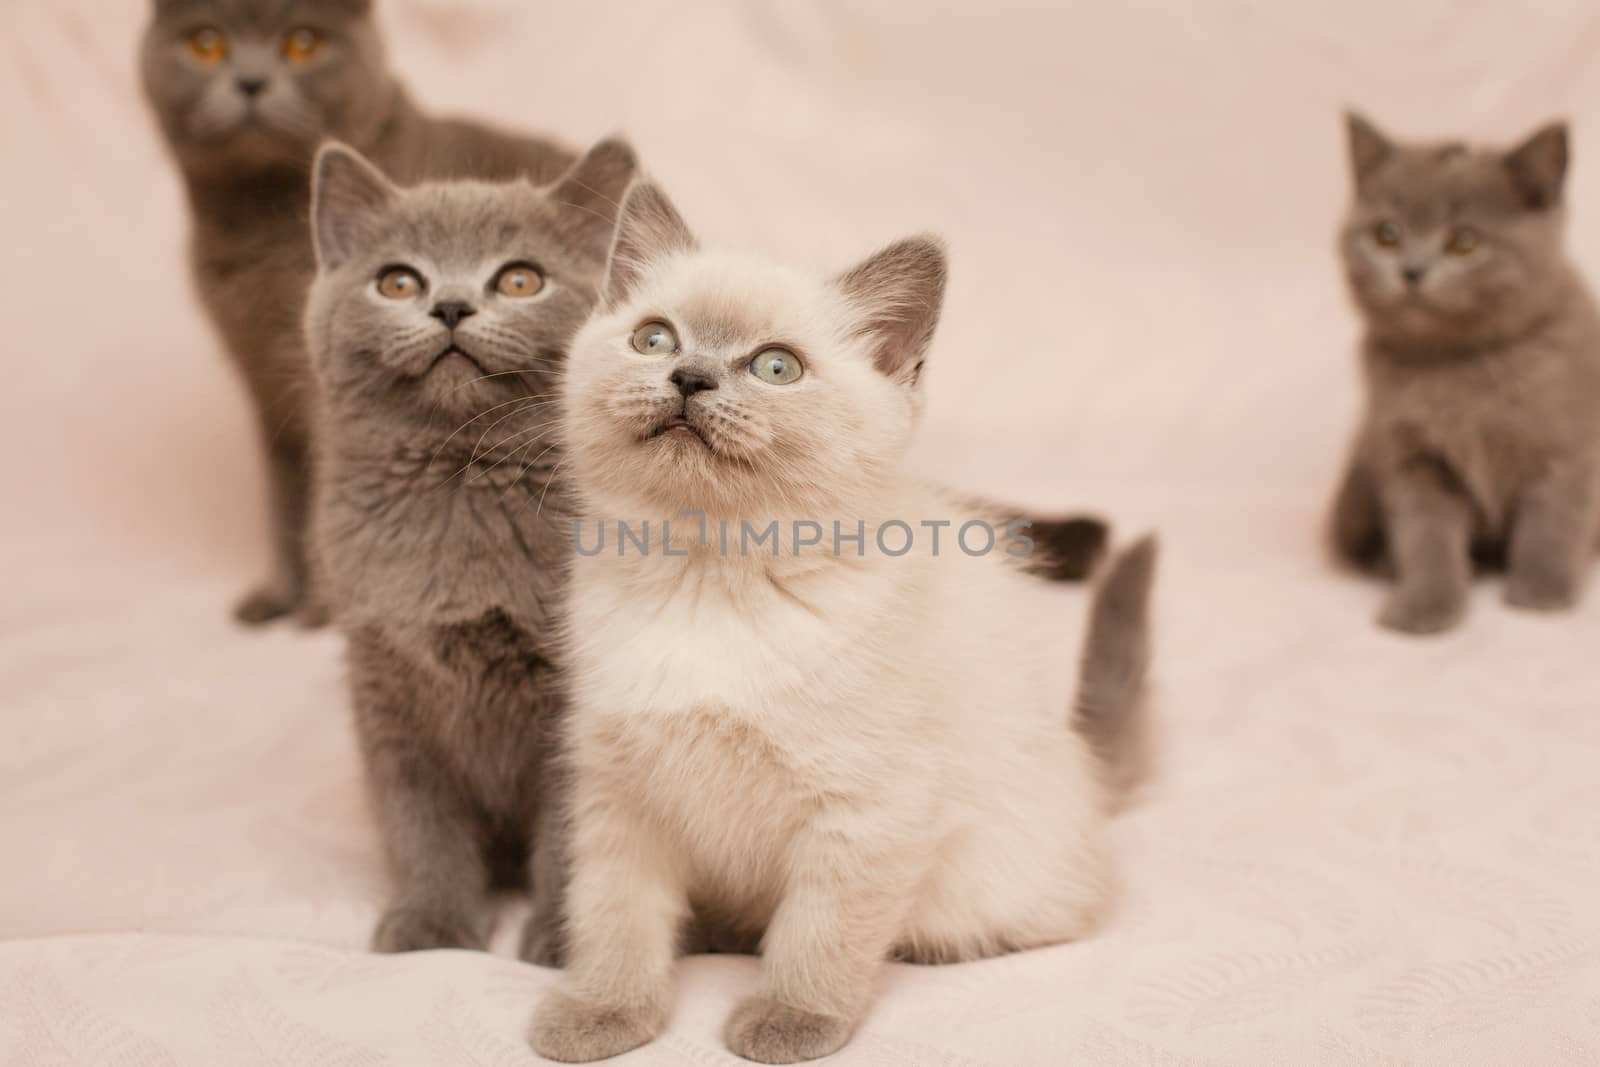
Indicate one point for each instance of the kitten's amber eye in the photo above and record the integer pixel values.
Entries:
(1387, 234)
(776, 366)
(519, 279)
(1463, 241)
(208, 46)
(400, 283)
(655, 339)
(301, 45)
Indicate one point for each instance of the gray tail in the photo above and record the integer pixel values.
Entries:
(1110, 711)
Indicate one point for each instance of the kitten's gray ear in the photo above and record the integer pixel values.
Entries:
(591, 191)
(1368, 146)
(650, 229)
(1538, 166)
(899, 292)
(347, 194)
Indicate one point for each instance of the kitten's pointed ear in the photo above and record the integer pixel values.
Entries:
(347, 193)
(649, 230)
(1538, 166)
(898, 293)
(591, 191)
(1368, 146)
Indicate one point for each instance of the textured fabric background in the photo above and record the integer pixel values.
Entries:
(1361, 850)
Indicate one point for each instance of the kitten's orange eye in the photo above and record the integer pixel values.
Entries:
(519, 279)
(208, 46)
(400, 283)
(1387, 234)
(301, 45)
(1463, 241)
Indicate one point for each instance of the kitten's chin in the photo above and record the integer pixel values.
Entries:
(668, 471)
(1420, 322)
(678, 431)
(252, 142)
(248, 152)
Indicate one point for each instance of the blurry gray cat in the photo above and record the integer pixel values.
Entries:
(1482, 363)
(437, 324)
(245, 91)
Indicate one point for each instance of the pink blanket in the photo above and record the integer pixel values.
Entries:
(1360, 849)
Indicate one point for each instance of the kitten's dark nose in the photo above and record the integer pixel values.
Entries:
(251, 87)
(451, 312)
(1413, 275)
(690, 382)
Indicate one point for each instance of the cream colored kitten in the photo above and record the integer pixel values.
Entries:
(853, 752)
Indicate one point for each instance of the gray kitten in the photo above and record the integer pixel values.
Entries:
(245, 91)
(438, 322)
(1482, 366)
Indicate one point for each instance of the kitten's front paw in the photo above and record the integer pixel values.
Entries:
(265, 605)
(569, 1030)
(1541, 593)
(1422, 615)
(416, 930)
(763, 1030)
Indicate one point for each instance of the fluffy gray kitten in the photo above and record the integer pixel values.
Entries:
(437, 323)
(1481, 436)
(245, 91)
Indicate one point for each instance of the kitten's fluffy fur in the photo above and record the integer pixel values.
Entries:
(1482, 366)
(444, 535)
(855, 755)
(245, 157)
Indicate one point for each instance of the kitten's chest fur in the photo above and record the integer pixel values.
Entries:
(733, 710)
(448, 577)
(420, 539)
(481, 696)
(726, 792)
(1494, 419)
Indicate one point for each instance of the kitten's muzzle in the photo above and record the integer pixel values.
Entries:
(456, 350)
(680, 423)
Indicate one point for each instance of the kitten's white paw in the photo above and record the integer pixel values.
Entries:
(569, 1030)
(763, 1030)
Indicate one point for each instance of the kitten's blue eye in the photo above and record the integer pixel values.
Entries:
(776, 366)
(655, 339)
(1387, 234)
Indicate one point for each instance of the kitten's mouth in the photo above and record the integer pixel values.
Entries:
(457, 355)
(679, 426)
